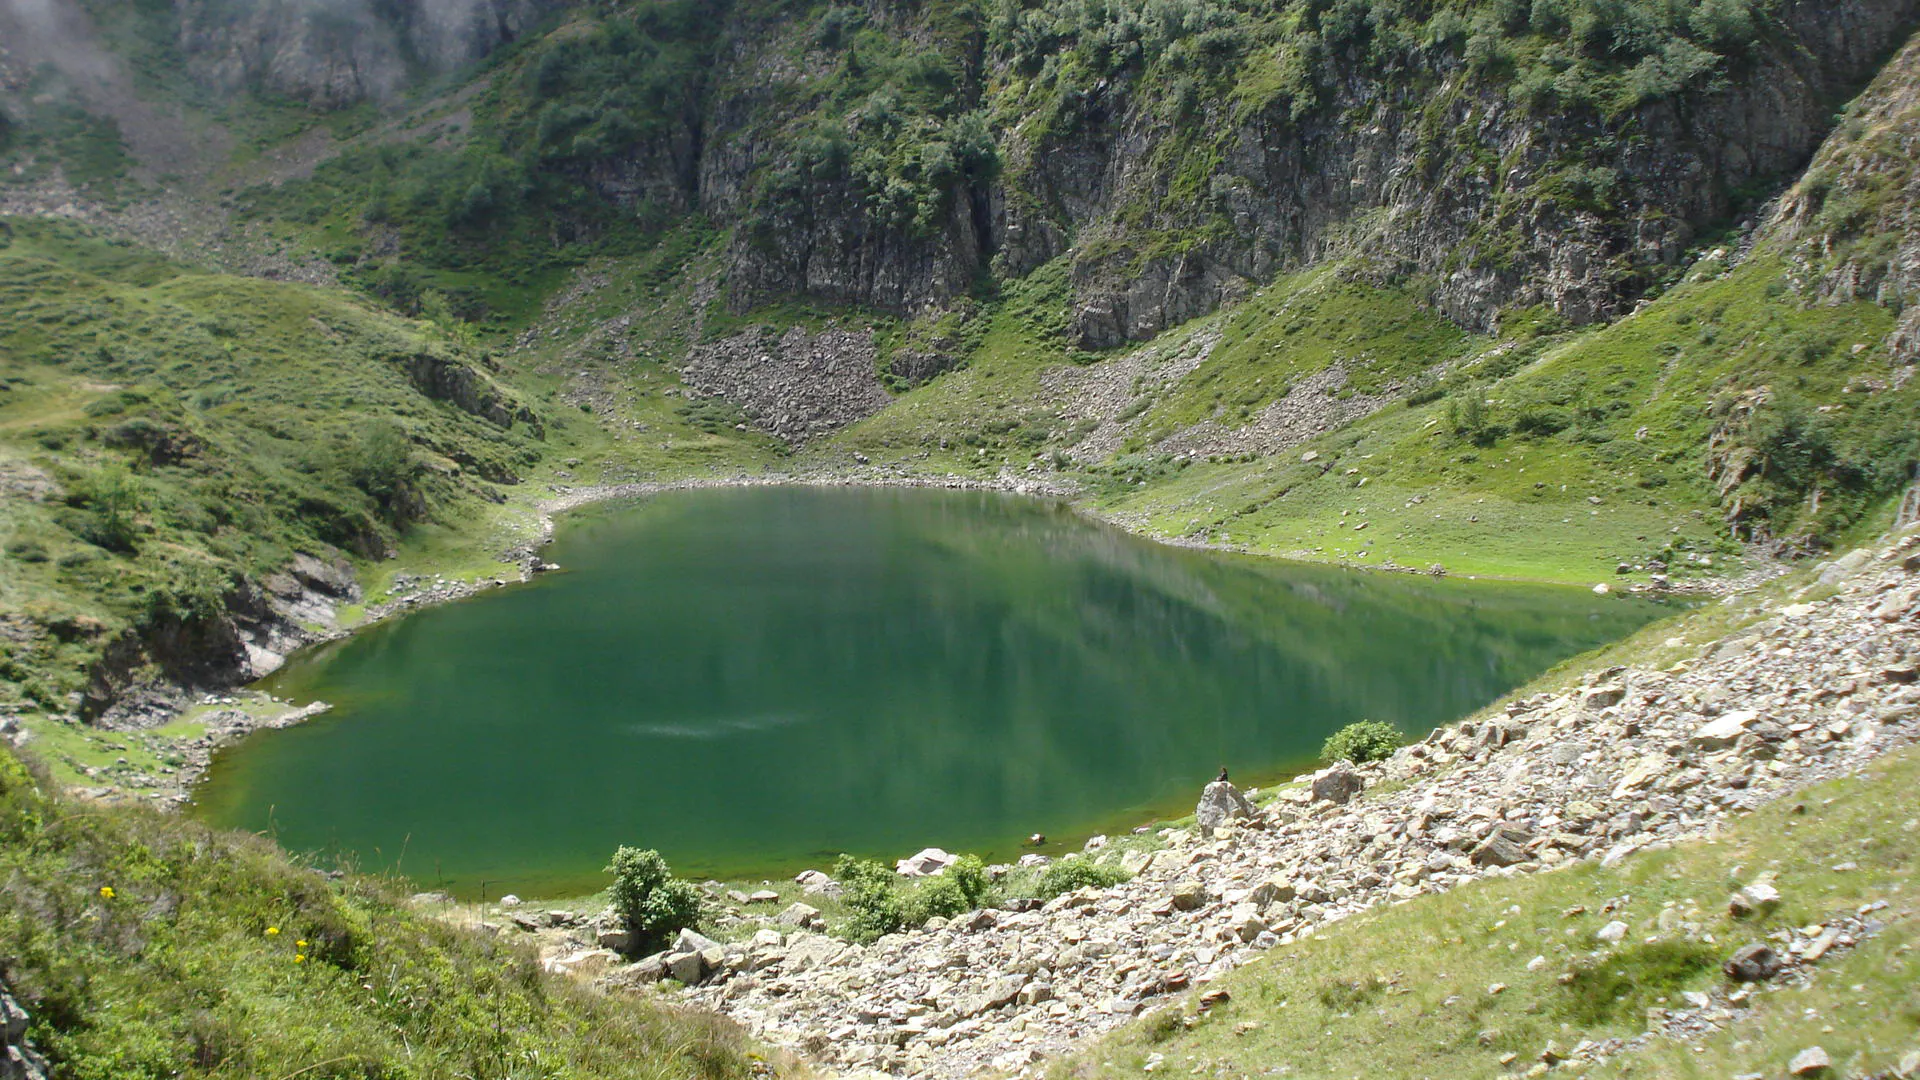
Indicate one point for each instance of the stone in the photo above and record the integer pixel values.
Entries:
(1909, 1066)
(1188, 895)
(1642, 773)
(584, 964)
(509, 901)
(927, 862)
(648, 970)
(1504, 846)
(1723, 732)
(1274, 890)
(690, 940)
(1245, 922)
(1813, 1061)
(616, 938)
(977, 921)
(686, 967)
(803, 916)
(1753, 963)
(1336, 785)
(763, 896)
(1613, 933)
(1036, 993)
(1004, 991)
(1759, 896)
(1604, 696)
(817, 883)
(1821, 945)
(1220, 803)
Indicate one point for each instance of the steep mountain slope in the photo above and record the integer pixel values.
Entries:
(1178, 154)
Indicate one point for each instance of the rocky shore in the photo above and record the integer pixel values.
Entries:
(1633, 758)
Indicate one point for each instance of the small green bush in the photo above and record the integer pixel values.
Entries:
(654, 904)
(1070, 874)
(962, 888)
(1361, 742)
(872, 896)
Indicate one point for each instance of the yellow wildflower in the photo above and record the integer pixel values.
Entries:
(299, 958)
(273, 931)
(106, 892)
(301, 944)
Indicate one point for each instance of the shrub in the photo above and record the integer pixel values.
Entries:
(1361, 742)
(654, 904)
(1070, 874)
(962, 888)
(872, 897)
(115, 496)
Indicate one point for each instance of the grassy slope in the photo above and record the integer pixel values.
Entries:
(147, 946)
(1589, 449)
(233, 416)
(1406, 989)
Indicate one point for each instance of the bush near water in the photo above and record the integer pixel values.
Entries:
(652, 903)
(1361, 742)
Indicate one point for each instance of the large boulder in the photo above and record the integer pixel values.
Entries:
(1220, 803)
(1337, 785)
(1753, 963)
(815, 883)
(1506, 845)
(692, 941)
(687, 967)
(926, 863)
(1004, 991)
(1724, 731)
(803, 916)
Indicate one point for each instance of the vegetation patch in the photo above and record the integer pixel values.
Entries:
(144, 945)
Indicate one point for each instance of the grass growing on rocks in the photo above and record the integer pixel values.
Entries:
(1447, 986)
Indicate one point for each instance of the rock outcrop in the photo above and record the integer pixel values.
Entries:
(1222, 803)
(444, 378)
(336, 53)
(18, 1060)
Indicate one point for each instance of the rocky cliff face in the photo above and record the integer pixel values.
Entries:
(1439, 174)
(334, 53)
(18, 1060)
(1852, 224)
(1177, 181)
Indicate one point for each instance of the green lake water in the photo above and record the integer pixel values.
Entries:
(752, 680)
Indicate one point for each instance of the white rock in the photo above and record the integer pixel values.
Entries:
(925, 863)
(1810, 1062)
(1724, 731)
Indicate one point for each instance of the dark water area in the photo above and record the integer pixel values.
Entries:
(753, 680)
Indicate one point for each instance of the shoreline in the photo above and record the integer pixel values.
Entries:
(231, 725)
